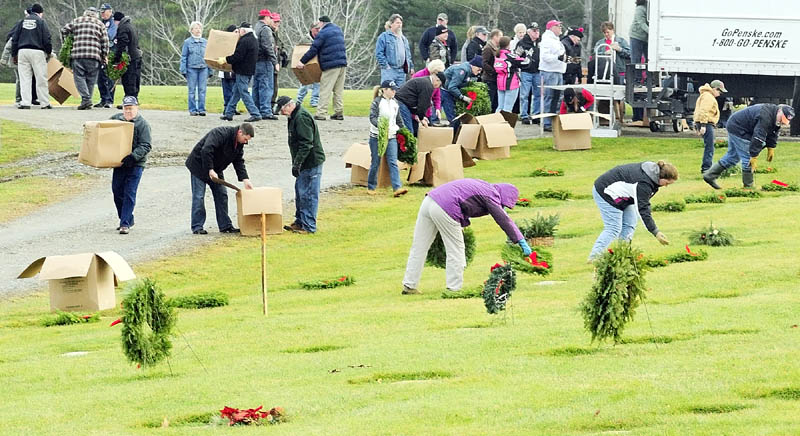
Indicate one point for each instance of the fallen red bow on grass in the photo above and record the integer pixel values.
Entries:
(119, 320)
(472, 96)
(690, 251)
(779, 183)
(531, 259)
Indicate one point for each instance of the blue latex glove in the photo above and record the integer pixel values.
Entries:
(526, 249)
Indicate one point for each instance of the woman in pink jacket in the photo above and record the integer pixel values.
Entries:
(507, 66)
(434, 66)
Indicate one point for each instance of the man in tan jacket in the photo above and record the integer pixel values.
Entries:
(706, 116)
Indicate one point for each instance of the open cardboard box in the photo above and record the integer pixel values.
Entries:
(489, 136)
(429, 138)
(251, 203)
(105, 143)
(60, 81)
(220, 43)
(440, 165)
(311, 71)
(81, 282)
(359, 158)
(572, 131)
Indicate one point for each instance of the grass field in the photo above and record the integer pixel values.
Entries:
(720, 358)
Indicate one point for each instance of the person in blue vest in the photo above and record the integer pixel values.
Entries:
(331, 53)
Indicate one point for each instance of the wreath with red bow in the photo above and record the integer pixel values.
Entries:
(498, 288)
(406, 146)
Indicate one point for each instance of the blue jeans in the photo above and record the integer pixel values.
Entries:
(506, 100)
(306, 198)
(227, 91)
(708, 150)
(199, 206)
(551, 95)
(197, 78)
(240, 93)
(408, 119)
(391, 159)
(303, 90)
(263, 87)
(124, 184)
(617, 224)
(638, 50)
(105, 86)
(448, 105)
(738, 150)
(396, 74)
(530, 83)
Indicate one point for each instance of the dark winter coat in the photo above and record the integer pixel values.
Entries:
(528, 49)
(631, 184)
(427, 39)
(266, 43)
(329, 48)
(141, 138)
(216, 151)
(439, 50)
(305, 145)
(127, 40)
(756, 124)
(31, 33)
(243, 60)
(416, 95)
(573, 73)
(475, 48)
(488, 55)
(458, 76)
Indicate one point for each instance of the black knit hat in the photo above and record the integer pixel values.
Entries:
(442, 78)
(325, 19)
(37, 8)
(569, 94)
(244, 25)
(576, 32)
(230, 28)
(118, 16)
(441, 29)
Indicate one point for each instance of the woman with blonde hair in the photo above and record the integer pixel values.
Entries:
(470, 35)
(194, 69)
(623, 196)
(385, 106)
(434, 67)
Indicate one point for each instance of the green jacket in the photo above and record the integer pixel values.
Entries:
(304, 143)
(639, 28)
(141, 138)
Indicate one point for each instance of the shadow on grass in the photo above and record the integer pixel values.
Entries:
(572, 351)
(660, 339)
(731, 331)
(194, 420)
(315, 349)
(612, 425)
(792, 394)
(395, 377)
(717, 408)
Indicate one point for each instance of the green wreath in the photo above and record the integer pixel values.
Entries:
(383, 135)
(146, 304)
(116, 71)
(65, 54)
(406, 146)
(437, 256)
(482, 104)
(498, 287)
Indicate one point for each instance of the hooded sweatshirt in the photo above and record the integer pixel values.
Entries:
(631, 184)
(706, 110)
(470, 198)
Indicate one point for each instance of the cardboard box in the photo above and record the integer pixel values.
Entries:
(429, 138)
(220, 43)
(440, 165)
(359, 158)
(60, 81)
(251, 203)
(81, 282)
(572, 132)
(311, 71)
(488, 137)
(105, 143)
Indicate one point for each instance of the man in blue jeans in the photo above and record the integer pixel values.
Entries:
(305, 147)
(243, 61)
(105, 85)
(125, 180)
(219, 148)
(528, 48)
(263, 81)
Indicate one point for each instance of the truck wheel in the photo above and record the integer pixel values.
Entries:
(654, 127)
(677, 126)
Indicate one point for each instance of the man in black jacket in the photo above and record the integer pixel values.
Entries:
(530, 80)
(220, 147)
(572, 47)
(414, 99)
(430, 33)
(127, 41)
(243, 60)
(475, 47)
(30, 48)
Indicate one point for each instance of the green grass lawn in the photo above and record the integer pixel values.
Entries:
(356, 102)
(721, 358)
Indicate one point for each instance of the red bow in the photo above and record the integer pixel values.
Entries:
(531, 259)
(497, 265)
(343, 278)
(119, 320)
(690, 251)
(611, 251)
(120, 66)
(401, 142)
(779, 183)
(472, 96)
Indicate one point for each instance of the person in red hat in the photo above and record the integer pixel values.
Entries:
(280, 52)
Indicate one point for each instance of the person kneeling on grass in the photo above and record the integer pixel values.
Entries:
(125, 180)
(385, 106)
(305, 147)
(448, 208)
(623, 194)
(220, 147)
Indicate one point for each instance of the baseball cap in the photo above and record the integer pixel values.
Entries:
(552, 23)
(265, 13)
(441, 16)
(276, 17)
(717, 84)
(105, 7)
(533, 25)
(441, 29)
(390, 84)
(481, 29)
(280, 103)
(787, 110)
(130, 100)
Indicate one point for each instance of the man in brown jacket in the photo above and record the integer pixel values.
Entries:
(489, 75)
(706, 116)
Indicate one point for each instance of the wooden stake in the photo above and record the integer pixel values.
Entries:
(264, 261)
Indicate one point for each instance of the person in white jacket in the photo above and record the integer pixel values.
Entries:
(552, 65)
(385, 106)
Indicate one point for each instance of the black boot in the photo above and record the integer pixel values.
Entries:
(712, 174)
(747, 178)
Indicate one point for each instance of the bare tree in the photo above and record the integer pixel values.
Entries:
(358, 23)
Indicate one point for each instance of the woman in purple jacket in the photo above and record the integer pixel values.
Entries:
(448, 208)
